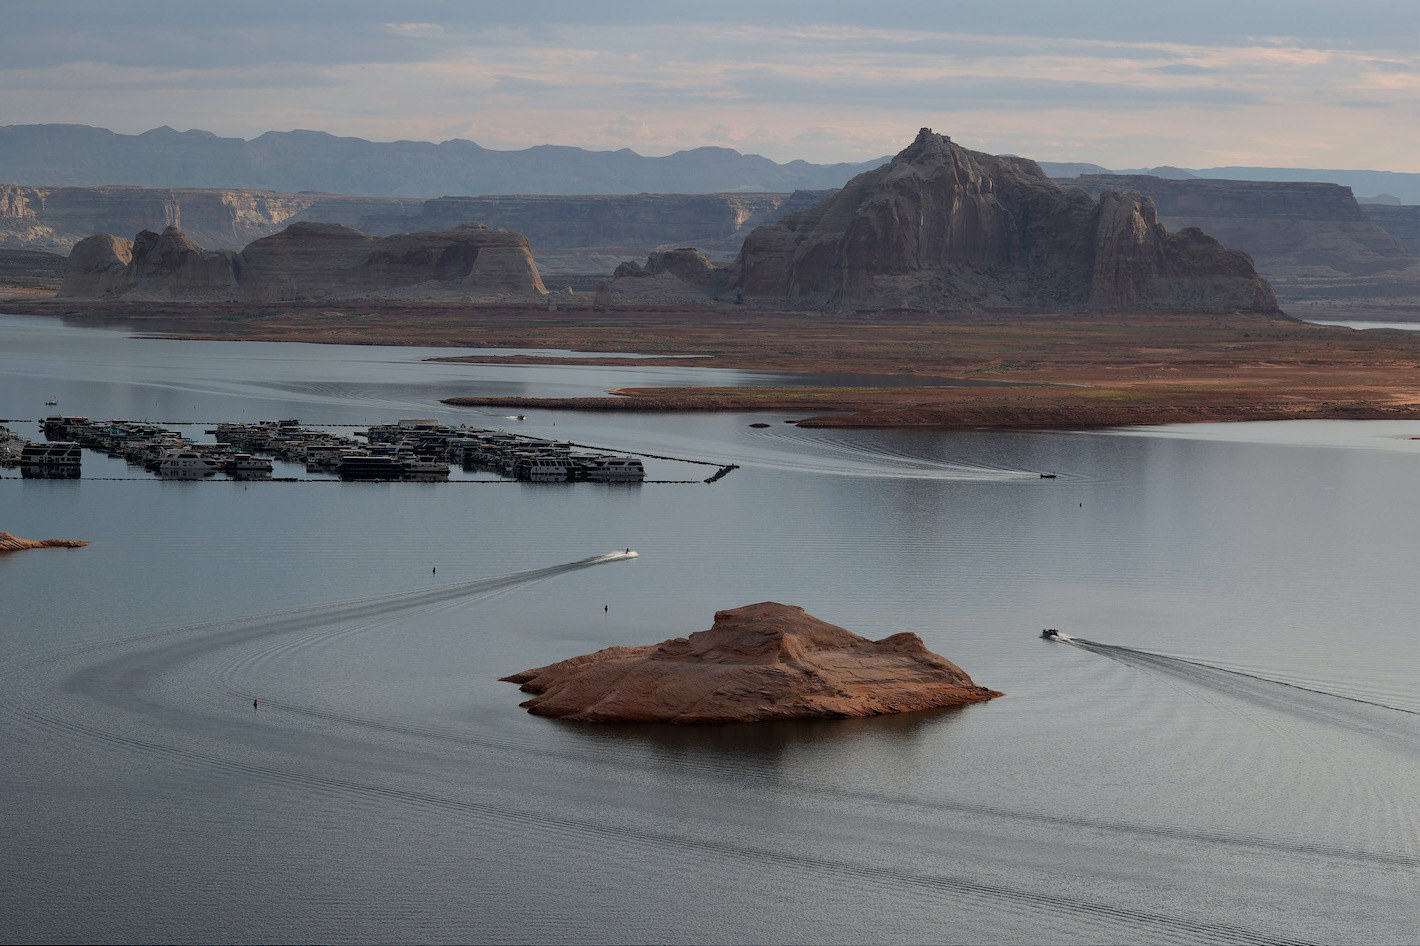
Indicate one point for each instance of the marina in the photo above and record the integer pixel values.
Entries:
(410, 450)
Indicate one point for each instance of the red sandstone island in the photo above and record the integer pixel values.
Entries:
(761, 661)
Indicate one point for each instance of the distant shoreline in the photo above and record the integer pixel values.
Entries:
(1065, 370)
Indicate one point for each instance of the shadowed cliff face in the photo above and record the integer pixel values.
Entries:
(306, 261)
(942, 227)
(1289, 228)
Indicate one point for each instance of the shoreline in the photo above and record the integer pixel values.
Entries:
(988, 369)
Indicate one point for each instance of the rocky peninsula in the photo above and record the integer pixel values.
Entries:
(758, 662)
(12, 543)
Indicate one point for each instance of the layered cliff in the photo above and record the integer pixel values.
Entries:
(307, 261)
(762, 661)
(53, 219)
(1289, 228)
(944, 228)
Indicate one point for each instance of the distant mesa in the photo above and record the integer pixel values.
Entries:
(11, 543)
(758, 662)
(307, 261)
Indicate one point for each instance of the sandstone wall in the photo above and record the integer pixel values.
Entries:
(307, 261)
(1289, 229)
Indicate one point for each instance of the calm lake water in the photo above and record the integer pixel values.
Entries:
(1235, 757)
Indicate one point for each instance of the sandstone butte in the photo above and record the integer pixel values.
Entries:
(758, 662)
(943, 228)
(317, 261)
(11, 543)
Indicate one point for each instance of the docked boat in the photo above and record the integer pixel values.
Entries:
(56, 459)
(186, 464)
(544, 470)
(244, 466)
(422, 470)
(364, 466)
(617, 470)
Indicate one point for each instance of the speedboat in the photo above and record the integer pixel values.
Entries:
(1050, 634)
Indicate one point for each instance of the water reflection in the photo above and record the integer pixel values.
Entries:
(769, 741)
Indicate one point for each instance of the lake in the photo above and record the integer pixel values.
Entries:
(1230, 751)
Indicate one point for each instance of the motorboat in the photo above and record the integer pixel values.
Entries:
(1050, 634)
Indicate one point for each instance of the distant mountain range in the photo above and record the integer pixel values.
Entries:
(295, 161)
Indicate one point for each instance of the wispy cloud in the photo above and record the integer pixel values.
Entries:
(1045, 79)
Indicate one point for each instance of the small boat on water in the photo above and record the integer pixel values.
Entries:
(1047, 476)
(1050, 634)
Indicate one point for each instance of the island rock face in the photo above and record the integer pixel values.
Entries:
(761, 661)
(307, 261)
(943, 228)
(12, 543)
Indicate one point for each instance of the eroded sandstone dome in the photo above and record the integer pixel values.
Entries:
(760, 661)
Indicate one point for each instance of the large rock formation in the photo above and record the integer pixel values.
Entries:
(761, 661)
(944, 228)
(307, 261)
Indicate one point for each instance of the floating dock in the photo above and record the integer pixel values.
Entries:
(409, 450)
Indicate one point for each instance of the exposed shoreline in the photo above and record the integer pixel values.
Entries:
(1053, 369)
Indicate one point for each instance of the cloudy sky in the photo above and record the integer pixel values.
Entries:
(1202, 83)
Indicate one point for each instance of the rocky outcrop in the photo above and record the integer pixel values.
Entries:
(98, 267)
(11, 543)
(1288, 228)
(944, 228)
(308, 261)
(163, 265)
(762, 661)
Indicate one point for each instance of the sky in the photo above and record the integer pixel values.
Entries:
(1202, 83)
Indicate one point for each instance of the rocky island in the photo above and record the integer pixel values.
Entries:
(758, 662)
(13, 543)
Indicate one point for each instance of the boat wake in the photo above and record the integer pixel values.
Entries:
(1356, 714)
